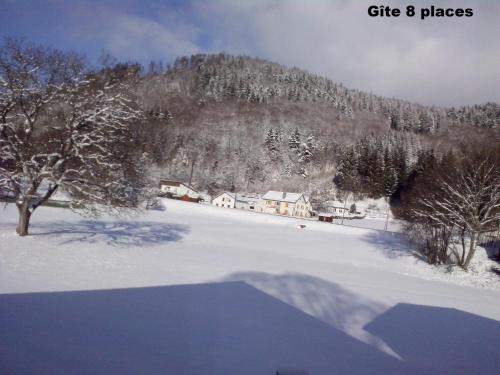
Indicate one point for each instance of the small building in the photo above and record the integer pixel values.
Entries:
(326, 217)
(179, 190)
(338, 209)
(225, 199)
(284, 203)
(247, 202)
(234, 200)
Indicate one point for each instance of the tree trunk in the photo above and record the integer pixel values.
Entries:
(26, 207)
(472, 250)
(24, 220)
(191, 174)
(345, 204)
(462, 235)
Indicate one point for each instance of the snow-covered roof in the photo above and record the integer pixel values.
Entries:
(232, 195)
(247, 198)
(337, 204)
(282, 196)
(176, 183)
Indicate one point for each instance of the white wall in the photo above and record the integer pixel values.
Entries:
(180, 190)
(223, 200)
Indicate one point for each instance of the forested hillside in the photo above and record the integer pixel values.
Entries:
(239, 123)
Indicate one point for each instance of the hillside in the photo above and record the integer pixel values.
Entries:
(239, 123)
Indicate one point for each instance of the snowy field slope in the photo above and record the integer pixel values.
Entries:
(197, 289)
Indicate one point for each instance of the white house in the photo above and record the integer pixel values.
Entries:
(239, 201)
(178, 189)
(225, 199)
(342, 210)
(247, 202)
(283, 203)
(338, 209)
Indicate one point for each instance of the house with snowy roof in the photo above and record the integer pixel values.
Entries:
(178, 189)
(338, 209)
(225, 199)
(234, 200)
(284, 203)
(247, 202)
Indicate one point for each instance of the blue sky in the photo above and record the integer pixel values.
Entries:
(89, 26)
(437, 61)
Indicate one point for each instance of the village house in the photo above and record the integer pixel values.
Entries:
(247, 202)
(239, 201)
(225, 199)
(283, 203)
(338, 209)
(179, 190)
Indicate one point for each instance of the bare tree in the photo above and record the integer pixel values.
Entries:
(60, 127)
(463, 198)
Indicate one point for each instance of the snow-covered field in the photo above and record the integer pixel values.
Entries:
(197, 289)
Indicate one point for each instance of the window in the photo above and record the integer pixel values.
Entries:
(217, 204)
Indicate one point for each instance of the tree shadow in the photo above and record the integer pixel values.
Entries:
(393, 245)
(492, 248)
(114, 233)
(443, 340)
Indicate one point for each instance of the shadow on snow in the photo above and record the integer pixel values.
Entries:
(393, 245)
(115, 233)
(233, 328)
(441, 340)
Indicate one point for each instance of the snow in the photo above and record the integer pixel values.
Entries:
(282, 196)
(197, 289)
(248, 199)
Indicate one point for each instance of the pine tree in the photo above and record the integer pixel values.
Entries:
(294, 140)
(307, 149)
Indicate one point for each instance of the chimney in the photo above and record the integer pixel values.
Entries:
(284, 195)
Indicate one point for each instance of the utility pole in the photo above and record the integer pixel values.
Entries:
(387, 213)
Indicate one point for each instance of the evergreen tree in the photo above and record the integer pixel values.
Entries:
(307, 149)
(294, 140)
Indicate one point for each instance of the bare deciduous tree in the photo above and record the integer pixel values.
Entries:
(60, 127)
(461, 199)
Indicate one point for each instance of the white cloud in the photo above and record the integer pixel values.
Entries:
(134, 37)
(438, 61)
(139, 38)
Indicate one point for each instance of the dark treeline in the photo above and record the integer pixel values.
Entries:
(379, 166)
